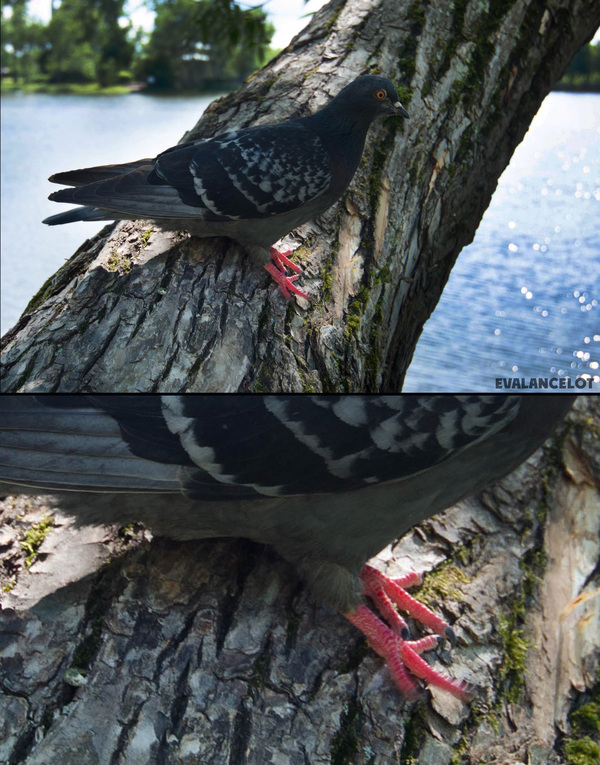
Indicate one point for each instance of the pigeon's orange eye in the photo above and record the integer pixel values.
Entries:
(381, 94)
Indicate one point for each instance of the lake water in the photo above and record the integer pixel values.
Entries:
(522, 300)
(43, 134)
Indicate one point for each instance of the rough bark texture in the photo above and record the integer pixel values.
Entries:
(212, 652)
(134, 311)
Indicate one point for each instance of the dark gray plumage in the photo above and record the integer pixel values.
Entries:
(252, 185)
(326, 480)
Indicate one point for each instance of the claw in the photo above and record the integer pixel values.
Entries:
(449, 633)
(277, 269)
(391, 642)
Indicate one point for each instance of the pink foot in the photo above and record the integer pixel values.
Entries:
(402, 655)
(277, 269)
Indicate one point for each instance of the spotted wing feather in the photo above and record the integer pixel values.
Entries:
(238, 446)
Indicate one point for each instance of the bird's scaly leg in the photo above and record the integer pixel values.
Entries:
(390, 642)
(277, 269)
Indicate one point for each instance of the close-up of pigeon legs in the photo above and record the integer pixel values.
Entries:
(206, 579)
(391, 641)
(277, 269)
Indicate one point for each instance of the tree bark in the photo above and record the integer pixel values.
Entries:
(171, 313)
(117, 649)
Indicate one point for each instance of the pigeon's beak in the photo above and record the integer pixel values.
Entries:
(399, 110)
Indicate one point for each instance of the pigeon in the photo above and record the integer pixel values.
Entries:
(252, 185)
(328, 481)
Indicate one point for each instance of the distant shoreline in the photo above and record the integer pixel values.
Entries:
(92, 89)
(214, 87)
(567, 88)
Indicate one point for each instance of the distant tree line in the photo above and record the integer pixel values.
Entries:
(193, 43)
(584, 70)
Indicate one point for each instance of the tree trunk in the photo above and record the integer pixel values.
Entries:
(212, 653)
(140, 311)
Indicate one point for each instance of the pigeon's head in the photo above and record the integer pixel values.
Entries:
(373, 96)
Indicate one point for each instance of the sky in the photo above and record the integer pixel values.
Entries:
(285, 16)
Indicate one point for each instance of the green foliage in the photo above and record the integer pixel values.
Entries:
(33, 539)
(583, 72)
(582, 752)
(22, 41)
(582, 747)
(226, 22)
(444, 583)
(586, 719)
(88, 42)
(171, 42)
(193, 43)
(198, 40)
(515, 645)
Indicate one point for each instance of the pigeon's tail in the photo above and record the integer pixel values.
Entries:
(100, 173)
(78, 213)
(86, 447)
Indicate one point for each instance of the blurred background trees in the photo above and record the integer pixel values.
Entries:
(195, 44)
(87, 41)
(23, 42)
(584, 70)
(203, 41)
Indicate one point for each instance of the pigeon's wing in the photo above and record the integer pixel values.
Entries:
(290, 445)
(236, 446)
(246, 174)
(251, 173)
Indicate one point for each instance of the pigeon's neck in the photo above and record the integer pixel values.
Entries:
(343, 133)
(345, 127)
